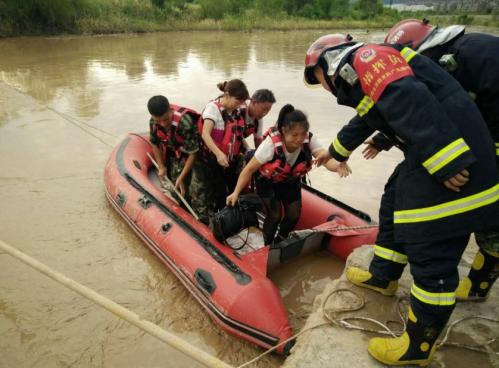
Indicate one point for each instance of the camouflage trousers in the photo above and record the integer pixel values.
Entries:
(195, 187)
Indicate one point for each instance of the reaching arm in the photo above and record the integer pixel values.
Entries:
(208, 125)
(179, 183)
(341, 168)
(349, 138)
(381, 142)
(375, 145)
(159, 159)
(243, 180)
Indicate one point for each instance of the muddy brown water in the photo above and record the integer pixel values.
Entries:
(64, 103)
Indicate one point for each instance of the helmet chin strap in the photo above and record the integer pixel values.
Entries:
(332, 87)
(325, 67)
(332, 59)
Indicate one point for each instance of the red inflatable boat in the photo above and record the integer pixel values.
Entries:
(231, 285)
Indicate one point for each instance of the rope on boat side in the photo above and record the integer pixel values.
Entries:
(333, 228)
(147, 326)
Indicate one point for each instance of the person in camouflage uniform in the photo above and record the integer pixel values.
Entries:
(174, 139)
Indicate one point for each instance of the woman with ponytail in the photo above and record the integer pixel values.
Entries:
(284, 156)
(222, 131)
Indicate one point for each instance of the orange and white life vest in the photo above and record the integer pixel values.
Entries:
(251, 126)
(278, 169)
(172, 140)
(231, 142)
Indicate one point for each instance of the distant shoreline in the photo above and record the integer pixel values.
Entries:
(93, 26)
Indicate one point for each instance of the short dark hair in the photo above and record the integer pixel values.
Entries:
(263, 95)
(158, 105)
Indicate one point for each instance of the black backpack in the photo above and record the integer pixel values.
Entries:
(232, 219)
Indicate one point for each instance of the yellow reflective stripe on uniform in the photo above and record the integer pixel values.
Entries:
(497, 149)
(408, 53)
(338, 147)
(364, 106)
(446, 209)
(427, 297)
(390, 255)
(446, 155)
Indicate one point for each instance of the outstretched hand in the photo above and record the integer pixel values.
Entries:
(322, 158)
(370, 151)
(341, 168)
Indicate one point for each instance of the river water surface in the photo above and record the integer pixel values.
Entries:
(64, 103)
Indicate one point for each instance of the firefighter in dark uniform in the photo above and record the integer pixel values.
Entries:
(473, 60)
(445, 189)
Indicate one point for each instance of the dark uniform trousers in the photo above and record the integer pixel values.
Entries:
(433, 264)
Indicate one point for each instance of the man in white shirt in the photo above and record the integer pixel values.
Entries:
(259, 106)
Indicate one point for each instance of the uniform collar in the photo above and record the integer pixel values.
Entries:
(333, 57)
(441, 36)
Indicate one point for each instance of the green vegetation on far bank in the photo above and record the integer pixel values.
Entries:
(43, 17)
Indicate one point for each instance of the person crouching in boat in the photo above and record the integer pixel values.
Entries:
(222, 128)
(175, 141)
(284, 156)
(259, 106)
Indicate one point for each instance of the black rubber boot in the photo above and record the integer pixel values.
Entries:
(483, 274)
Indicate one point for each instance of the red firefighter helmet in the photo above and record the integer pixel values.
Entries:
(410, 32)
(317, 49)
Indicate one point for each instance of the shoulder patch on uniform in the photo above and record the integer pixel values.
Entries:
(367, 55)
(377, 66)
